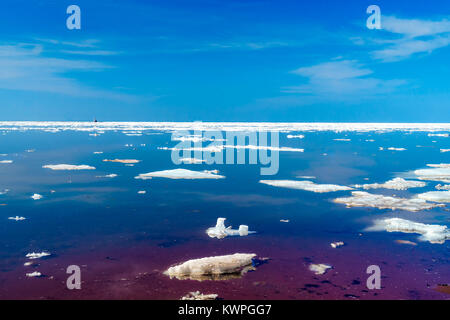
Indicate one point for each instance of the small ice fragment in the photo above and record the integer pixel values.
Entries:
(319, 268)
(284, 220)
(34, 274)
(6, 161)
(305, 185)
(220, 231)
(68, 167)
(337, 244)
(199, 296)
(36, 196)
(124, 161)
(299, 136)
(443, 187)
(142, 192)
(406, 242)
(395, 184)
(112, 175)
(17, 218)
(180, 174)
(37, 255)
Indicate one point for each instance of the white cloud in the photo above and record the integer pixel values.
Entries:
(416, 36)
(343, 78)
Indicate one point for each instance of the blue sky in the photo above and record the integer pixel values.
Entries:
(225, 61)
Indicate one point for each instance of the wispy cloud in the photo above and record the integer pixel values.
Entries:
(341, 79)
(416, 36)
(24, 67)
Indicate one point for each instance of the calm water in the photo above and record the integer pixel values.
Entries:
(123, 240)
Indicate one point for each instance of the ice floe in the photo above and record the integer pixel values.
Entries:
(437, 172)
(365, 199)
(305, 185)
(443, 187)
(392, 149)
(336, 244)
(36, 196)
(220, 231)
(212, 267)
(68, 167)
(17, 218)
(37, 255)
(432, 233)
(445, 150)
(112, 175)
(320, 268)
(395, 184)
(34, 274)
(435, 196)
(197, 295)
(443, 135)
(124, 161)
(345, 140)
(180, 174)
(142, 192)
(298, 136)
(191, 160)
(6, 161)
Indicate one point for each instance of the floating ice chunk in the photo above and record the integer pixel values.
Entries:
(220, 231)
(305, 185)
(436, 173)
(142, 192)
(6, 161)
(191, 160)
(336, 244)
(406, 242)
(98, 152)
(17, 218)
(180, 174)
(445, 150)
(252, 147)
(443, 187)
(37, 255)
(34, 274)
(284, 220)
(199, 296)
(306, 177)
(440, 165)
(342, 139)
(299, 136)
(443, 135)
(125, 161)
(36, 196)
(392, 149)
(435, 196)
(68, 167)
(395, 184)
(365, 199)
(432, 233)
(212, 267)
(319, 268)
(112, 175)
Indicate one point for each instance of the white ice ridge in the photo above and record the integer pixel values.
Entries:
(55, 126)
(429, 232)
(395, 184)
(365, 199)
(435, 196)
(437, 172)
(180, 174)
(210, 266)
(220, 231)
(37, 255)
(68, 167)
(305, 185)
